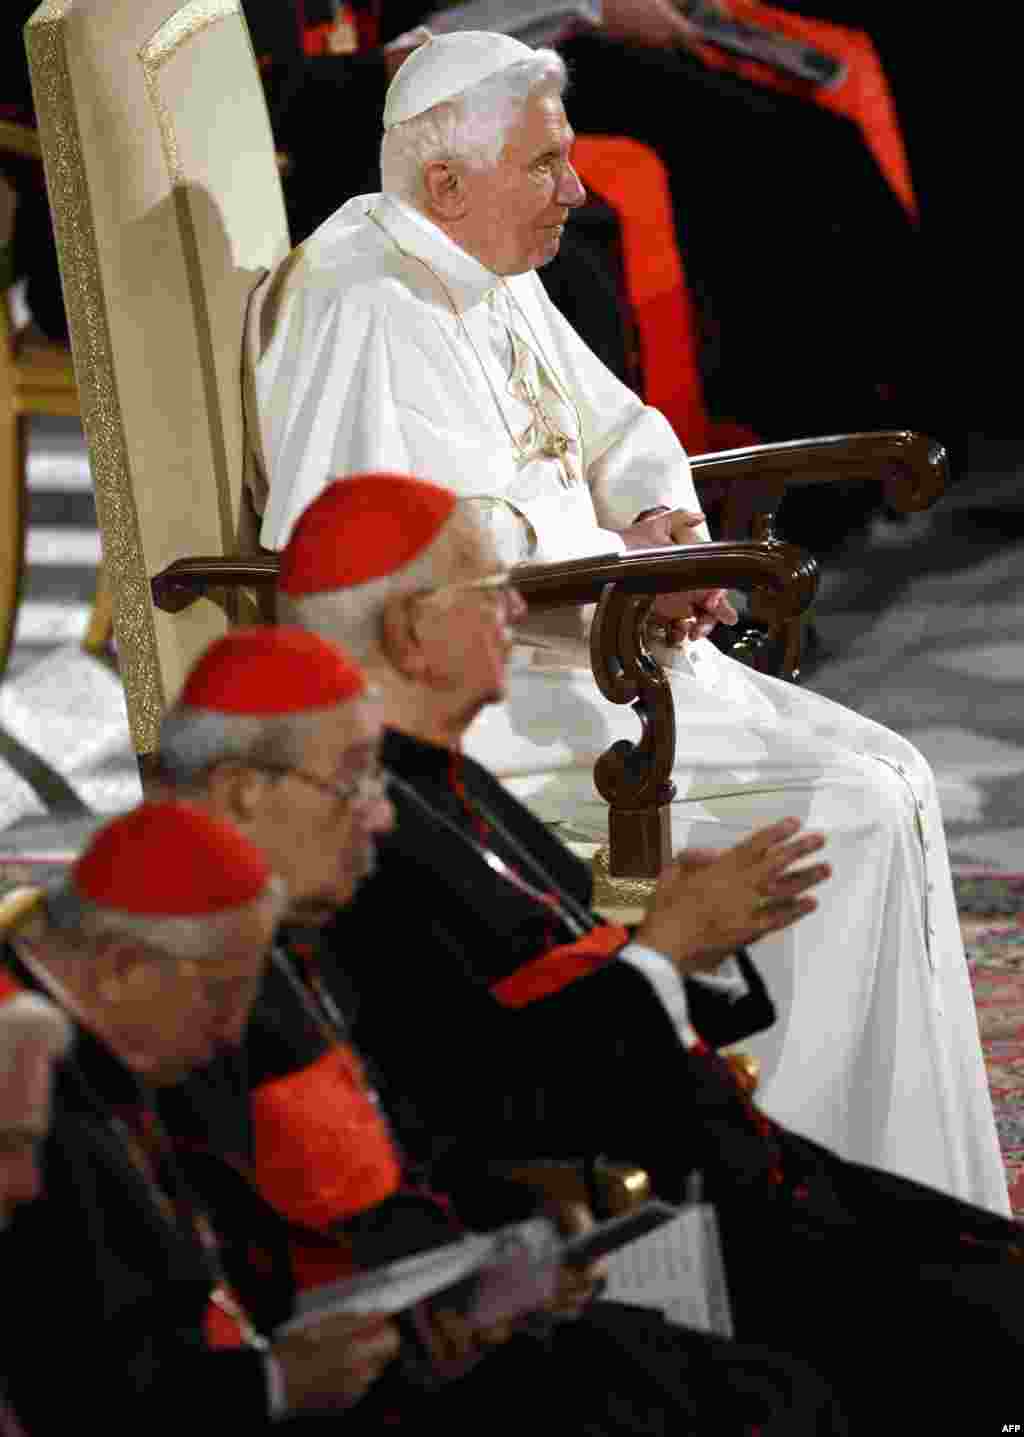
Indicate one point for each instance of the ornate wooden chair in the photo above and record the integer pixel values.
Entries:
(165, 190)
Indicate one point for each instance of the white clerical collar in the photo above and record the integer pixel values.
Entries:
(412, 231)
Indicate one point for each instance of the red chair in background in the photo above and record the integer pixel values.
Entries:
(862, 96)
(630, 178)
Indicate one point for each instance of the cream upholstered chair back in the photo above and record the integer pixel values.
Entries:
(167, 208)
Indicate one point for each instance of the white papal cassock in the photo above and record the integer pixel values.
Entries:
(382, 345)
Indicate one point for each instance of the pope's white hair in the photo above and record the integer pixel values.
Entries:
(353, 617)
(77, 923)
(28, 1020)
(471, 128)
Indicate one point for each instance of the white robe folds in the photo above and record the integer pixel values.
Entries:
(358, 361)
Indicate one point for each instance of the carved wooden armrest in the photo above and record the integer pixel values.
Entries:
(607, 1187)
(781, 569)
(635, 779)
(187, 580)
(751, 482)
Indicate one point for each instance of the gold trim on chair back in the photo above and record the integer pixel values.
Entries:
(168, 210)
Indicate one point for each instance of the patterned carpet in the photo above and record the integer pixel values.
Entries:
(992, 918)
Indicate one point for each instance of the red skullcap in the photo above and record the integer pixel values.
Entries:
(170, 860)
(360, 529)
(272, 669)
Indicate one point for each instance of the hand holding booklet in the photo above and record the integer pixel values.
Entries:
(490, 1277)
(486, 1277)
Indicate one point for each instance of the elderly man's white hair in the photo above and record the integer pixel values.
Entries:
(471, 128)
(29, 1020)
(76, 923)
(195, 740)
(353, 616)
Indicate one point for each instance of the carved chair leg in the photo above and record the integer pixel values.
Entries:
(100, 628)
(12, 527)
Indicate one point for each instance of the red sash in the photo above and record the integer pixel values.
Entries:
(631, 178)
(560, 966)
(222, 1328)
(9, 986)
(863, 96)
(322, 1150)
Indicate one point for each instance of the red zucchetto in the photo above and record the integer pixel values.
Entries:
(272, 669)
(360, 529)
(169, 860)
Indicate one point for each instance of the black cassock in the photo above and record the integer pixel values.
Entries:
(858, 1271)
(104, 1292)
(614, 1372)
(482, 1014)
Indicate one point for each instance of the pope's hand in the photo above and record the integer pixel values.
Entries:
(333, 1364)
(692, 613)
(709, 903)
(664, 528)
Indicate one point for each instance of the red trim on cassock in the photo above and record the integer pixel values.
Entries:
(632, 179)
(559, 967)
(9, 986)
(322, 1150)
(221, 1329)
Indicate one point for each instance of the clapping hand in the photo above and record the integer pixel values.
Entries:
(709, 903)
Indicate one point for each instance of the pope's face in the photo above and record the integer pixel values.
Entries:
(516, 210)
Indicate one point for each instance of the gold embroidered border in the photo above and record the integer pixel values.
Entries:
(123, 557)
(184, 25)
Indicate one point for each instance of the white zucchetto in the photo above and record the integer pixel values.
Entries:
(446, 65)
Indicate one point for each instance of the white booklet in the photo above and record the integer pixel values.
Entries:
(678, 1271)
(514, 1270)
(488, 1277)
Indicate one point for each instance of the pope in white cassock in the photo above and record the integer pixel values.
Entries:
(409, 333)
